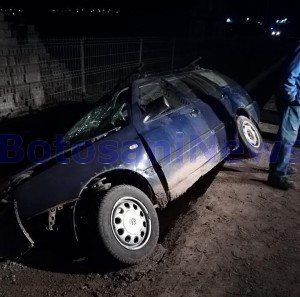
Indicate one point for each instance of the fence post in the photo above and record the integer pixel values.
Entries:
(141, 51)
(82, 66)
(173, 55)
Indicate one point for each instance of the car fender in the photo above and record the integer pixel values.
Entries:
(62, 183)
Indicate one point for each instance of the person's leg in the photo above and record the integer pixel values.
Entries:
(286, 137)
(281, 111)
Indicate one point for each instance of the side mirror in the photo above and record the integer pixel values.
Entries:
(156, 108)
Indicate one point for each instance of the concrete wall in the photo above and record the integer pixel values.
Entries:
(29, 76)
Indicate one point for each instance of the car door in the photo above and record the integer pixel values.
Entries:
(174, 138)
(208, 98)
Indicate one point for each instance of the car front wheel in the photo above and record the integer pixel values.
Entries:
(126, 225)
(249, 136)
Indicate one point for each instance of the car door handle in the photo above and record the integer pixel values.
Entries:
(194, 112)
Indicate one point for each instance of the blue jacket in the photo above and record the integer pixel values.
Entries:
(291, 80)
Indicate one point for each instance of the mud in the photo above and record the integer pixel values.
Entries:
(230, 235)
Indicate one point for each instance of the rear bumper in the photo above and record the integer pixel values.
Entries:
(14, 239)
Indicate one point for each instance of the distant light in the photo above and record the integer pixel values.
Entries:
(117, 11)
(275, 33)
(283, 21)
(13, 13)
(19, 10)
(247, 19)
(272, 28)
(228, 20)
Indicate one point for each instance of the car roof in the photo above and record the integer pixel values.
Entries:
(157, 77)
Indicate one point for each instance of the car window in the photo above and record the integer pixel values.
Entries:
(200, 85)
(151, 92)
(120, 112)
(104, 117)
(183, 88)
(216, 78)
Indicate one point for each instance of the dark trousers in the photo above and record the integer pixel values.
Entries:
(289, 122)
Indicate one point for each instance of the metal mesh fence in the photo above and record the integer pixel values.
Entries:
(38, 73)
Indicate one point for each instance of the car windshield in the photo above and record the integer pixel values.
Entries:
(106, 116)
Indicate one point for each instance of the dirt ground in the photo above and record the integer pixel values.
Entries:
(230, 235)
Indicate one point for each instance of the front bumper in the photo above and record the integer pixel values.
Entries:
(14, 239)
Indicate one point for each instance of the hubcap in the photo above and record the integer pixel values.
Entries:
(131, 224)
(251, 134)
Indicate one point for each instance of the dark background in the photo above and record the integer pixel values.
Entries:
(153, 18)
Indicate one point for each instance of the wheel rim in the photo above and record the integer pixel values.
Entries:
(131, 224)
(251, 134)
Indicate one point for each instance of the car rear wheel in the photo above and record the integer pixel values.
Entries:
(126, 225)
(249, 136)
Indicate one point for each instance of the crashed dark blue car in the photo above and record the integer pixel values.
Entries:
(136, 150)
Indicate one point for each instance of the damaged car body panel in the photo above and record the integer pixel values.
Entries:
(15, 241)
(232, 94)
(63, 187)
(64, 182)
(154, 138)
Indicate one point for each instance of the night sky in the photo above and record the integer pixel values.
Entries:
(154, 17)
(238, 7)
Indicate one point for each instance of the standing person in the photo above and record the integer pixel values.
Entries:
(288, 105)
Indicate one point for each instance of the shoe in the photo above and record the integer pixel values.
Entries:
(281, 182)
(291, 170)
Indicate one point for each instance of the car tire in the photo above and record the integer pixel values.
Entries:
(249, 136)
(125, 226)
